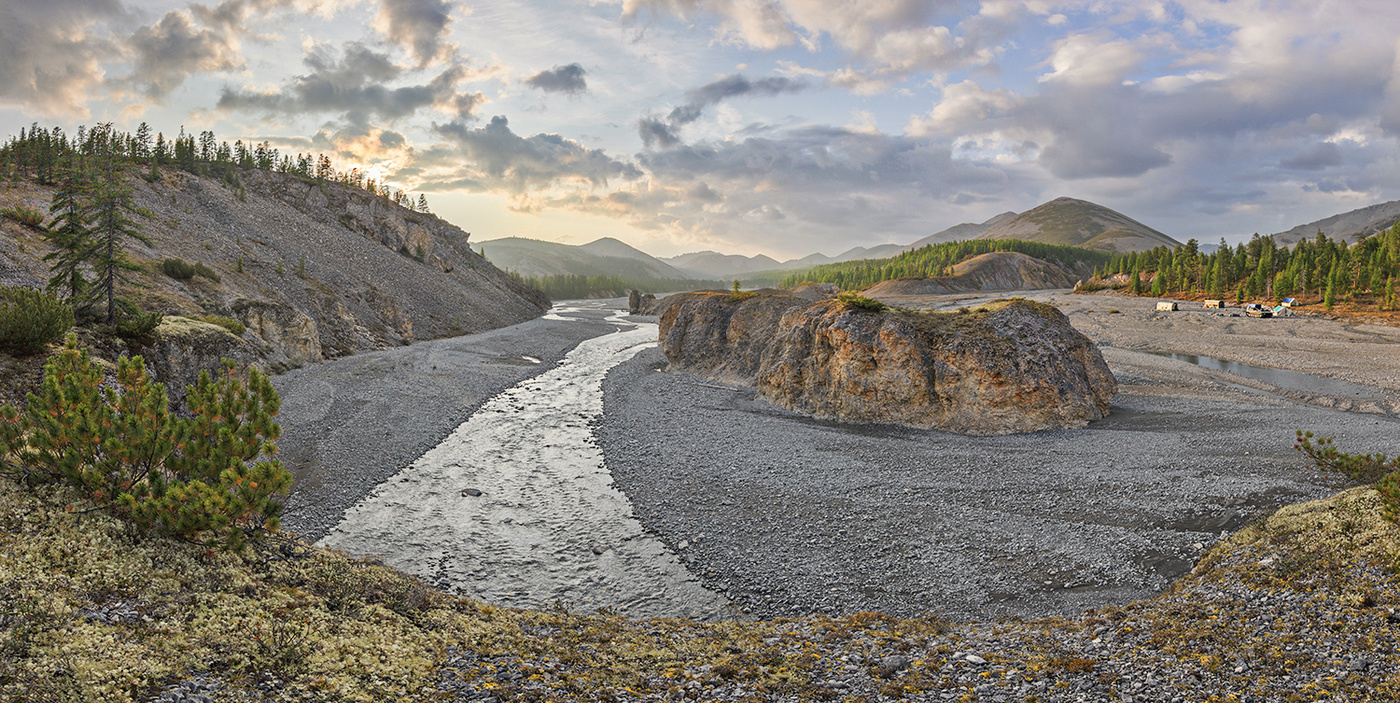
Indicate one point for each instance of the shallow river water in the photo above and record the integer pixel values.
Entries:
(516, 507)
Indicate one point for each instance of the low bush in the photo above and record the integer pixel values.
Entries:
(856, 300)
(228, 323)
(31, 319)
(208, 478)
(25, 215)
(1362, 468)
(177, 269)
(134, 324)
(182, 270)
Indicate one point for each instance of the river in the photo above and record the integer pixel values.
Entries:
(515, 506)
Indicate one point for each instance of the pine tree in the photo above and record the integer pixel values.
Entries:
(208, 476)
(68, 232)
(112, 204)
(422, 203)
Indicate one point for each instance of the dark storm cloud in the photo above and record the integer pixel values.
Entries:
(353, 84)
(419, 26)
(560, 79)
(52, 58)
(497, 155)
(171, 50)
(665, 133)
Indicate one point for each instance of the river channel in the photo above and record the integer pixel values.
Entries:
(516, 507)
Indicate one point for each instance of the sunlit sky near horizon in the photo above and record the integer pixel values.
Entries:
(784, 127)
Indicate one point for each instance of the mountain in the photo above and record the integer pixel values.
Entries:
(965, 230)
(1366, 220)
(603, 257)
(314, 270)
(1072, 222)
(709, 264)
(712, 264)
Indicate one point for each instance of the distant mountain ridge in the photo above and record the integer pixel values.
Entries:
(602, 257)
(1367, 220)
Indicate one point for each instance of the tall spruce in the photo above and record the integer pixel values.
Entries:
(69, 233)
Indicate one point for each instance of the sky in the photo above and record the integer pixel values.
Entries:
(778, 127)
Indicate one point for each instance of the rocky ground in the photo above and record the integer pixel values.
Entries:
(786, 515)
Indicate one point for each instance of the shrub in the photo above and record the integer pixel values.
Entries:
(30, 320)
(182, 270)
(856, 300)
(1362, 468)
(133, 323)
(208, 477)
(228, 323)
(25, 215)
(177, 269)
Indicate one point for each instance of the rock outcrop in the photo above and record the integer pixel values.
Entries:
(997, 270)
(639, 303)
(1008, 366)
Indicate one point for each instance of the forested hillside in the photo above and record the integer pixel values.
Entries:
(1361, 274)
(936, 260)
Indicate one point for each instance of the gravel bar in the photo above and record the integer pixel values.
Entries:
(788, 515)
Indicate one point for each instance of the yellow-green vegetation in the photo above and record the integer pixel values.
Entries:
(234, 327)
(856, 300)
(92, 610)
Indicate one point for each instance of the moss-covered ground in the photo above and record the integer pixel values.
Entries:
(1298, 607)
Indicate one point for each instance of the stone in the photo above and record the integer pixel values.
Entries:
(1008, 366)
(470, 492)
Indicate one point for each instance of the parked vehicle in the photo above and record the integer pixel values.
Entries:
(1257, 310)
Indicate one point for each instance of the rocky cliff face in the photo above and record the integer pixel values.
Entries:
(1009, 366)
(314, 270)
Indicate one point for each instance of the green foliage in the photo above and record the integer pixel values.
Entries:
(178, 269)
(1362, 468)
(935, 260)
(856, 300)
(281, 269)
(228, 323)
(570, 286)
(207, 477)
(30, 320)
(25, 215)
(137, 324)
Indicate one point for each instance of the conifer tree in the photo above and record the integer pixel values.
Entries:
(112, 205)
(68, 233)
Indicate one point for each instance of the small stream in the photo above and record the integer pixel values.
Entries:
(1306, 383)
(516, 507)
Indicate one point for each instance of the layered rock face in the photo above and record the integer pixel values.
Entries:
(1009, 366)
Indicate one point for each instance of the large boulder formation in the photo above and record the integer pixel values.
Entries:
(1008, 366)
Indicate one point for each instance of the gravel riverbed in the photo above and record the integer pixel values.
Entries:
(787, 515)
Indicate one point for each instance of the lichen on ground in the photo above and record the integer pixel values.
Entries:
(1299, 606)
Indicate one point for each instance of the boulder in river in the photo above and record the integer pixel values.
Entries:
(1008, 366)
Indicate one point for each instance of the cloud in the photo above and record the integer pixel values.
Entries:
(1315, 158)
(496, 156)
(560, 79)
(656, 131)
(419, 26)
(53, 53)
(171, 50)
(355, 84)
(891, 38)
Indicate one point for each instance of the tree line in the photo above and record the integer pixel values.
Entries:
(572, 286)
(936, 260)
(1261, 269)
(39, 152)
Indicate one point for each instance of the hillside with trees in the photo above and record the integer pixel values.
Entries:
(937, 260)
(290, 260)
(1322, 269)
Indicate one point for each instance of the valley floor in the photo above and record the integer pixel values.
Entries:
(785, 516)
